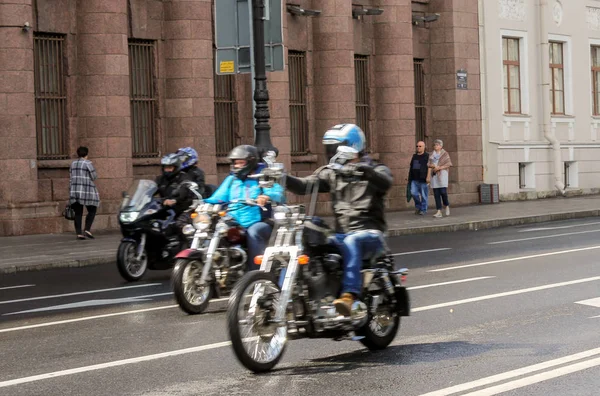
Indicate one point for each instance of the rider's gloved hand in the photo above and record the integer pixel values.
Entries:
(354, 169)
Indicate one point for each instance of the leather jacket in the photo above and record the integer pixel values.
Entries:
(358, 201)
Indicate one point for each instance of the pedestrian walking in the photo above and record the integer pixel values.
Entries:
(418, 178)
(439, 163)
(83, 192)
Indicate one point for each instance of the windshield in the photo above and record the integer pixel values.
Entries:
(139, 195)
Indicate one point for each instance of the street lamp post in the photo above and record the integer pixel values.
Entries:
(262, 138)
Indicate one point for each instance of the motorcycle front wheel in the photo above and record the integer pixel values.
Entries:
(130, 268)
(191, 297)
(258, 343)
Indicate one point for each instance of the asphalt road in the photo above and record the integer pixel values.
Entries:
(514, 311)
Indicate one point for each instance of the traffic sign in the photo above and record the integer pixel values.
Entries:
(233, 33)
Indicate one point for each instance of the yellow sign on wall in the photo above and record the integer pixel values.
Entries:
(226, 67)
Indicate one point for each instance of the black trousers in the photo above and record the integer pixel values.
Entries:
(89, 219)
(440, 194)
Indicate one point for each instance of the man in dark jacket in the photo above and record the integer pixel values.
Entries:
(418, 178)
(171, 187)
(357, 191)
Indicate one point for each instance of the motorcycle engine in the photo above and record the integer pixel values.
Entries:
(324, 281)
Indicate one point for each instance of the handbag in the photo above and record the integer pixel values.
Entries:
(408, 193)
(69, 213)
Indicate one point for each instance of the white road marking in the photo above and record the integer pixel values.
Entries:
(15, 287)
(516, 259)
(594, 302)
(59, 322)
(559, 227)
(86, 318)
(80, 293)
(513, 373)
(504, 294)
(534, 379)
(543, 237)
(92, 303)
(421, 251)
(450, 283)
(117, 363)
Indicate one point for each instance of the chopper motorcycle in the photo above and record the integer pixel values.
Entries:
(292, 294)
(217, 257)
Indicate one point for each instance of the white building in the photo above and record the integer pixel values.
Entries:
(540, 72)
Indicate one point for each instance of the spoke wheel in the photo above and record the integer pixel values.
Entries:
(258, 343)
(191, 296)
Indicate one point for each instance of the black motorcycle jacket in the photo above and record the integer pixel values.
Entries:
(358, 201)
(196, 175)
(172, 188)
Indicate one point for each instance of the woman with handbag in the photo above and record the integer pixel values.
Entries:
(83, 192)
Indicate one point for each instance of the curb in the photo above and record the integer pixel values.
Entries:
(494, 223)
(12, 269)
(464, 226)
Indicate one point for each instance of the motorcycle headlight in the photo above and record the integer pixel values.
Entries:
(222, 227)
(128, 217)
(188, 230)
(202, 221)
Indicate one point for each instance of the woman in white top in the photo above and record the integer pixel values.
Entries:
(439, 163)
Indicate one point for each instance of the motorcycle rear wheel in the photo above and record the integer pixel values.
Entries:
(187, 296)
(131, 269)
(380, 330)
(258, 345)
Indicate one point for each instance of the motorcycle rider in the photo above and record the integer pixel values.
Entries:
(239, 187)
(189, 159)
(171, 184)
(357, 191)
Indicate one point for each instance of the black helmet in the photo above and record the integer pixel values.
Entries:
(173, 160)
(244, 152)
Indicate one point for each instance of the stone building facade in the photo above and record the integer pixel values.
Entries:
(134, 79)
(541, 96)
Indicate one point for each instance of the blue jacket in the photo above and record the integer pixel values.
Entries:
(233, 189)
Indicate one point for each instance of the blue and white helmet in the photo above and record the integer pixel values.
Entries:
(349, 135)
(189, 156)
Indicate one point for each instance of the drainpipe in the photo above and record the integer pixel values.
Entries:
(544, 107)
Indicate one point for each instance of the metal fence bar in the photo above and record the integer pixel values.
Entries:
(420, 107)
(143, 98)
(50, 96)
(298, 109)
(225, 114)
(361, 74)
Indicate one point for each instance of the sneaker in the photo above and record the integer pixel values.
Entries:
(438, 214)
(421, 213)
(344, 304)
(447, 210)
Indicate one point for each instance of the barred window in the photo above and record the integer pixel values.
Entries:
(50, 96)
(361, 75)
(143, 98)
(420, 108)
(298, 112)
(225, 113)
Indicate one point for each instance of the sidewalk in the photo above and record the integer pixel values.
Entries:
(36, 252)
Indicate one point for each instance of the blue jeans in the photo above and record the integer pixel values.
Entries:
(258, 235)
(420, 193)
(355, 248)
